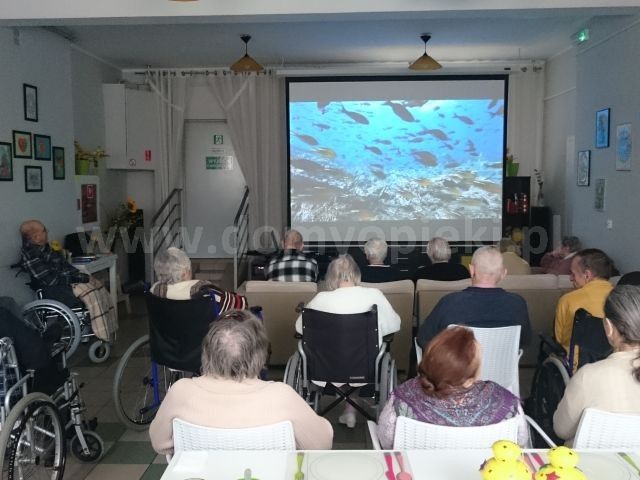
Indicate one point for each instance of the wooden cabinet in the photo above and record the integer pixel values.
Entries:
(131, 128)
(516, 207)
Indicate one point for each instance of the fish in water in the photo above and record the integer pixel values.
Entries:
(375, 150)
(488, 186)
(478, 129)
(308, 165)
(401, 111)
(448, 146)
(424, 182)
(417, 140)
(322, 105)
(492, 103)
(355, 116)
(500, 111)
(383, 142)
(452, 165)
(322, 126)
(308, 139)
(494, 165)
(379, 174)
(463, 118)
(436, 108)
(436, 132)
(470, 146)
(377, 165)
(428, 159)
(441, 115)
(325, 152)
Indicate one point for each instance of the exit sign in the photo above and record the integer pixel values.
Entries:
(218, 140)
(219, 163)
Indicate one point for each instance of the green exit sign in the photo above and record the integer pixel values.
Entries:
(218, 140)
(219, 163)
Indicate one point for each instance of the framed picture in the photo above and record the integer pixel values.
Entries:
(6, 162)
(32, 179)
(584, 168)
(623, 147)
(42, 147)
(22, 147)
(89, 202)
(602, 128)
(30, 98)
(58, 163)
(600, 191)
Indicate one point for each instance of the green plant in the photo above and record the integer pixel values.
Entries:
(89, 156)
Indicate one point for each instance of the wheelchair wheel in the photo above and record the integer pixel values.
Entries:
(388, 380)
(40, 313)
(293, 373)
(32, 440)
(140, 385)
(99, 351)
(95, 447)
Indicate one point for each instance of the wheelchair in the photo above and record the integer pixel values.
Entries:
(339, 354)
(35, 427)
(556, 367)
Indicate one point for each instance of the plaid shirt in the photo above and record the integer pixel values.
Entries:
(292, 266)
(48, 267)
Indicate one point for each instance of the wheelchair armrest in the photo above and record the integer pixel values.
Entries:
(300, 307)
(297, 336)
(388, 338)
(551, 344)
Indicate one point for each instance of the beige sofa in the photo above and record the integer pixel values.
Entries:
(278, 301)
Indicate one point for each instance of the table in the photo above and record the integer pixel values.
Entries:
(370, 465)
(103, 262)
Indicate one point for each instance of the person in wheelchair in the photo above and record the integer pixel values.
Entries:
(175, 282)
(345, 295)
(229, 393)
(612, 384)
(448, 391)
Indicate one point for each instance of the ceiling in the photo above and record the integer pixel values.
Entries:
(391, 38)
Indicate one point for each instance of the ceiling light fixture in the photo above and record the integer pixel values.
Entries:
(425, 62)
(246, 63)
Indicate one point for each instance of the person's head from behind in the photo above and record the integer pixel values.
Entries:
(622, 320)
(450, 362)
(172, 266)
(438, 250)
(342, 272)
(292, 240)
(570, 244)
(236, 346)
(376, 251)
(588, 265)
(33, 232)
(487, 267)
(507, 245)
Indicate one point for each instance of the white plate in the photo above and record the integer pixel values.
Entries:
(604, 466)
(347, 466)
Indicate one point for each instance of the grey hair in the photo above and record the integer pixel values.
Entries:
(487, 262)
(622, 308)
(438, 250)
(508, 245)
(236, 346)
(376, 249)
(573, 243)
(342, 269)
(292, 239)
(171, 265)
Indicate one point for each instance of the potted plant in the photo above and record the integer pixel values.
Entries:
(87, 160)
(512, 166)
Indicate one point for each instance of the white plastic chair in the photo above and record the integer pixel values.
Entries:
(189, 437)
(600, 429)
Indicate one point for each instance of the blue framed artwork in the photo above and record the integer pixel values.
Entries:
(602, 128)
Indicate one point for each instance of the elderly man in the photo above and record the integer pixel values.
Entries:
(377, 271)
(590, 272)
(439, 252)
(291, 265)
(173, 271)
(558, 261)
(480, 305)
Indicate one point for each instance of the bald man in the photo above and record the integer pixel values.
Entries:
(291, 265)
(480, 305)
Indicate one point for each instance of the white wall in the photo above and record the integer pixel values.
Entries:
(43, 60)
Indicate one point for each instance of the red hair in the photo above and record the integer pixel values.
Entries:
(450, 360)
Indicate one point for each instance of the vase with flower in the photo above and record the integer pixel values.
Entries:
(540, 182)
(512, 166)
(86, 160)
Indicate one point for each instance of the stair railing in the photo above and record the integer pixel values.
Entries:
(166, 226)
(241, 236)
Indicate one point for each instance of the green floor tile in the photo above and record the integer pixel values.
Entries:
(110, 432)
(154, 472)
(130, 452)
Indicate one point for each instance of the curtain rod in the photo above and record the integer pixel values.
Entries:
(205, 72)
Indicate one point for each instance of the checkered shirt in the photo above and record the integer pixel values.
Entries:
(292, 266)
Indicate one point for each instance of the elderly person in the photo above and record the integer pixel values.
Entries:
(377, 271)
(511, 258)
(173, 270)
(482, 304)
(291, 265)
(447, 390)
(439, 252)
(344, 295)
(229, 393)
(559, 260)
(612, 384)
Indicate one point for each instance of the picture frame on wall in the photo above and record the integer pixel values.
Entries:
(41, 147)
(30, 100)
(6, 162)
(32, 178)
(584, 168)
(22, 147)
(58, 163)
(602, 128)
(600, 192)
(623, 146)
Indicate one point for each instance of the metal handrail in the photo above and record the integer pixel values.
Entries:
(176, 191)
(171, 214)
(241, 235)
(245, 199)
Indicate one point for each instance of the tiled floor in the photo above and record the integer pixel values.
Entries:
(128, 454)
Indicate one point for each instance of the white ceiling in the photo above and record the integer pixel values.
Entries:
(311, 39)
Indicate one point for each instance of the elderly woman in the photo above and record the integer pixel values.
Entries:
(612, 384)
(447, 390)
(229, 393)
(439, 252)
(173, 270)
(559, 260)
(511, 259)
(377, 271)
(344, 295)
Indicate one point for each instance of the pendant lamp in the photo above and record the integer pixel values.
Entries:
(246, 63)
(425, 62)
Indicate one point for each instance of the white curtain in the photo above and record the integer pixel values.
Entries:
(170, 94)
(254, 107)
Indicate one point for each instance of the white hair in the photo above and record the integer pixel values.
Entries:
(342, 269)
(172, 265)
(376, 250)
(487, 263)
(438, 250)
